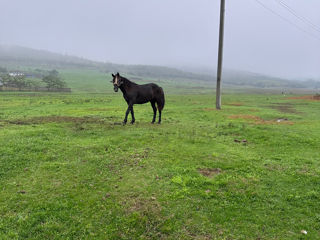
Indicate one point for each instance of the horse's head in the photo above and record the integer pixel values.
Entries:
(117, 81)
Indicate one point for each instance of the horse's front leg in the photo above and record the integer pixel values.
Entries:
(127, 112)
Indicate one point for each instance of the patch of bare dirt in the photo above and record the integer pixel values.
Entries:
(240, 141)
(258, 120)
(307, 97)
(197, 236)
(143, 205)
(209, 172)
(284, 107)
(235, 104)
(57, 119)
(149, 211)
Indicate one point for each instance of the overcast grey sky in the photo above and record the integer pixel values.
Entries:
(170, 32)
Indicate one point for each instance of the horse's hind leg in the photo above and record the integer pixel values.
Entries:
(159, 116)
(153, 104)
(132, 116)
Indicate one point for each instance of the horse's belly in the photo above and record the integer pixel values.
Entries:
(144, 96)
(142, 101)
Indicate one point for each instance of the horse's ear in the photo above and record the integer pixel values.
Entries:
(118, 74)
(113, 75)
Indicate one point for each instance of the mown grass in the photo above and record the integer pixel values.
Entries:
(68, 170)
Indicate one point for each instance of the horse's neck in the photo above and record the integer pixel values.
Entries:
(126, 85)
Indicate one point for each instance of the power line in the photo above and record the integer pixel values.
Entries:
(287, 20)
(302, 18)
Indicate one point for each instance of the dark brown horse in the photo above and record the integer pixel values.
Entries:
(138, 94)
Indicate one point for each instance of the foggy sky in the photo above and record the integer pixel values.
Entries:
(169, 32)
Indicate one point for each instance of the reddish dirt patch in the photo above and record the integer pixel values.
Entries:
(235, 104)
(209, 172)
(308, 97)
(258, 120)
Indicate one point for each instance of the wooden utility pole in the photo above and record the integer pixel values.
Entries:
(220, 55)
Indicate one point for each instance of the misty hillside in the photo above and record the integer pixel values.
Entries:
(15, 57)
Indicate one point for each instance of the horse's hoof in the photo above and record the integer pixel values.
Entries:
(124, 123)
(159, 122)
(132, 122)
(152, 122)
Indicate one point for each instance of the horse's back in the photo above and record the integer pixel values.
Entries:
(150, 89)
(143, 93)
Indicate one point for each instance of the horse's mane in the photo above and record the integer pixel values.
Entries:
(127, 81)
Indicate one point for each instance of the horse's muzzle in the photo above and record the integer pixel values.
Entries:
(115, 88)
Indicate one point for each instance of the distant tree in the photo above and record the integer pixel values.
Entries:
(14, 81)
(18, 81)
(5, 79)
(54, 72)
(53, 80)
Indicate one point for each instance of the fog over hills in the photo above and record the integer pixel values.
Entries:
(15, 57)
(172, 33)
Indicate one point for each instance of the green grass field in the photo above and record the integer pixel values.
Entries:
(68, 170)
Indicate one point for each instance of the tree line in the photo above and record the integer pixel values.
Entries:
(50, 79)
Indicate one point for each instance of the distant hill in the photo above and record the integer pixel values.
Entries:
(16, 56)
(242, 78)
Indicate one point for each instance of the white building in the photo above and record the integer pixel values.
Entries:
(16, 74)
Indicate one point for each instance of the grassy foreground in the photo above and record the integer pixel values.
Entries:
(69, 171)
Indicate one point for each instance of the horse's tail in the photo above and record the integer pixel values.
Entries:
(160, 99)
